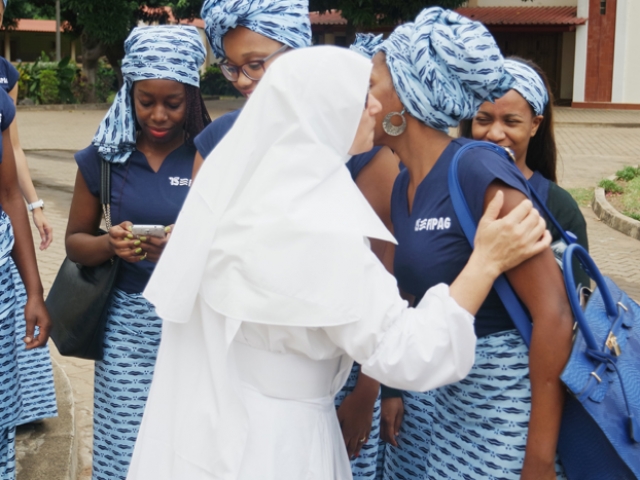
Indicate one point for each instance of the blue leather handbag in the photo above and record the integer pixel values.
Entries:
(600, 431)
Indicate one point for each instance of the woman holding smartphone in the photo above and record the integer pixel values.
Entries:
(147, 136)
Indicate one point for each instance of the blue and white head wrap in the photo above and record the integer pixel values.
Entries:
(367, 44)
(286, 21)
(528, 84)
(444, 66)
(170, 52)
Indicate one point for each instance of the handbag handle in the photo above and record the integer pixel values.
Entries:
(590, 267)
(105, 192)
(510, 300)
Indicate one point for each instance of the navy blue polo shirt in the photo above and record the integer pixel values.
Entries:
(141, 196)
(216, 130)
(8, 75)
(432, 247)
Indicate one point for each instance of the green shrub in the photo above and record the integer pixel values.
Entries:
(628, 173)
(49, 87)
(30, 83)
(213, 82)
(635, 216)
(105, 87)
(610, 186)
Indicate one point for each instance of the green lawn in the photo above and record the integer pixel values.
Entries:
(582, 196)
(627, 202)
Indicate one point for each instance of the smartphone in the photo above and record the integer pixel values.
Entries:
(148, 231)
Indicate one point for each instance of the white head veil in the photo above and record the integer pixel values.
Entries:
(272, 229)
(271, 232)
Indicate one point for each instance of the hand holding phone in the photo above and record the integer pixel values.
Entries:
(156, 231)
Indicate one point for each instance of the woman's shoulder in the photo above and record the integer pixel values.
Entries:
(87, 155)
(9, 75)
(209, 138)
(7, 110)
(561, 201)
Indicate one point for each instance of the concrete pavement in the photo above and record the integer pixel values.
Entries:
(590, 149)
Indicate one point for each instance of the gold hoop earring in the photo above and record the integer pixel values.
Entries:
(391, 129)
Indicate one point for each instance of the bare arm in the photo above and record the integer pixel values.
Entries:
(82, 244)
(539, 284)
(23, 252)
(26, 184)
(375, 181)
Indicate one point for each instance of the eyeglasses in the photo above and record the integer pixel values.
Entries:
(253, 70)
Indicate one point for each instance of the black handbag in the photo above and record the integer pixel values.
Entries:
(79, 297)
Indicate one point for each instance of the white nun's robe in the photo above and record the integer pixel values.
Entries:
(268, 292)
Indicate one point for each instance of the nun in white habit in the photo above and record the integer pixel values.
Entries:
(268, 290)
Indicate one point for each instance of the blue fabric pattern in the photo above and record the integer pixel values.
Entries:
(170, 52)
(366, 465)
(286, 21)
(475, 428)
(122, 382)
(444, 66)
(367, 44)
(10, 392)
(8, 453)
(34, 366)
(527, 83)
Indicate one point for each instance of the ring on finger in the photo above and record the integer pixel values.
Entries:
(143, 256)
(362, 440)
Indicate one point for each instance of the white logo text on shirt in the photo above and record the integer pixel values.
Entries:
(433, 224)
(179, 182)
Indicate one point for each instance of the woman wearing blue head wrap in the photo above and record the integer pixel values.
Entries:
(16, 245)
(429, 75)
(249, 36)
(522, 120)
(34, 366)
(147, 136)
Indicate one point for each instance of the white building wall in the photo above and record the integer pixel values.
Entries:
(626, 59)
(580, 64)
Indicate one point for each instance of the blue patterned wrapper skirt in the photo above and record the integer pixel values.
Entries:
(34, 366)
(366, 465)
(122, 381)
(10, 392)
(475, 428)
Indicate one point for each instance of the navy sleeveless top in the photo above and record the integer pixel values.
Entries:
(432, 247)
(209, 138)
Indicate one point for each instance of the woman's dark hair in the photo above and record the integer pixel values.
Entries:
(541, 153)
(196, 115)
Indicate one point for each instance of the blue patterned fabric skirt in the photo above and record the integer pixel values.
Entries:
(122, 382)
(475, 428)
(34, 366)
(366, 465)
(10, 393)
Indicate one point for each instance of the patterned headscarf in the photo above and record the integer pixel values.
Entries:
(528, 84)
(171, 52)
(367, 44)
(286, 21)
(444, 66)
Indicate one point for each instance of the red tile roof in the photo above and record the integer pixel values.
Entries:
(523, 15)
(29, 25)
(332, 17)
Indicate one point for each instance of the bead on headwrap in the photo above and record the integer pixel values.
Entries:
(444, 66)
(286, 21)
(171, 52)
(529, 84)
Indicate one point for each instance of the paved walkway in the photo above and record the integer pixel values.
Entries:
(589, 152)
